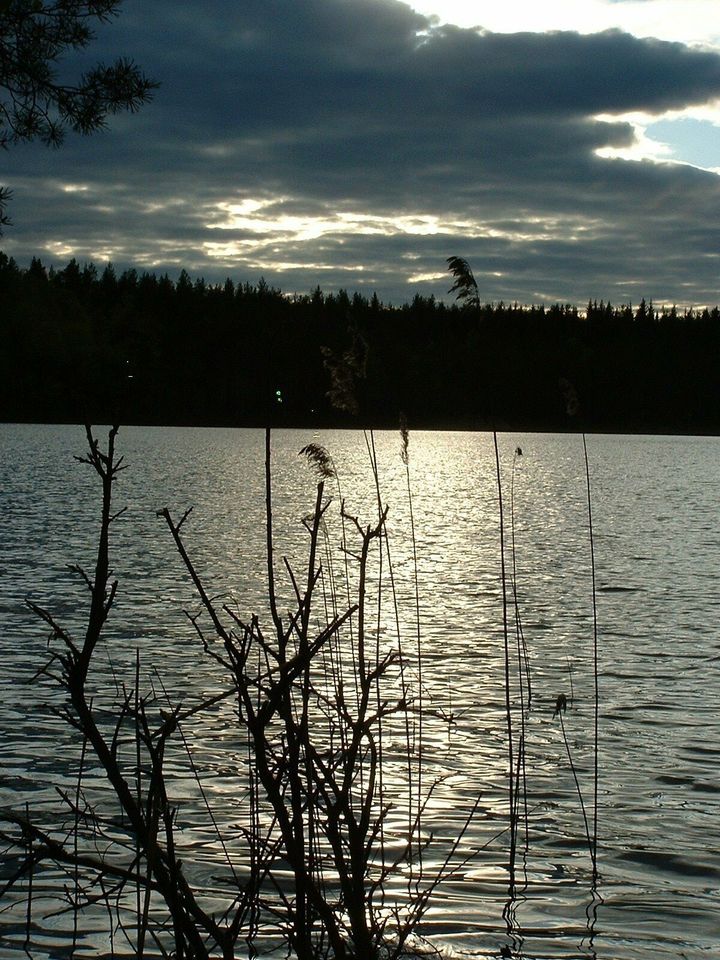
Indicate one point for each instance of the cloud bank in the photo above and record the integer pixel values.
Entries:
(358, 144)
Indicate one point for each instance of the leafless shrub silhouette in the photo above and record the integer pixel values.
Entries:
(325, 850)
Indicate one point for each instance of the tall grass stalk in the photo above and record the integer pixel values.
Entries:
(523, 673)
(405, 457)
(411, 707)
(560, 708)
(524, 666)
(596, 682)
(511, 773)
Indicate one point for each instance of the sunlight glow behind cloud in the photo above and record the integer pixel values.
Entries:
(369, 158)
(685, 139)
(694, 22)
(247, 216)
(267, 228)
(685, 21)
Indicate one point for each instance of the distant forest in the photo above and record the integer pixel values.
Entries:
(84, 343)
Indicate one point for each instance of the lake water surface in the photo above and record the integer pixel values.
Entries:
(657, 550)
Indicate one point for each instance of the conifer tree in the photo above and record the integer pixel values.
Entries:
(34, 103)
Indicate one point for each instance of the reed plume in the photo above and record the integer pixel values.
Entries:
(465, 286)
(319, 458)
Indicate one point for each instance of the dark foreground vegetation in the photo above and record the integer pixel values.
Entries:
(84, 343)
(324, 855)
(336, 835)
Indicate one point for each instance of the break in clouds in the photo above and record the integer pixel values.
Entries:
(358, 144)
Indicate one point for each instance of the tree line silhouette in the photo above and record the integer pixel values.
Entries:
(87, 344)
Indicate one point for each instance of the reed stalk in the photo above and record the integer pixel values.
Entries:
(596, 681)
(506, 645)
(560, 709)
(405, 456)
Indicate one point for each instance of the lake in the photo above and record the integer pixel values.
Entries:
(657, 552)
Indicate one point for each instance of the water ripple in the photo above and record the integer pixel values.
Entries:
(657, 552)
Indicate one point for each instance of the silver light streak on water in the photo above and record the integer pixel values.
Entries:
(657, 547)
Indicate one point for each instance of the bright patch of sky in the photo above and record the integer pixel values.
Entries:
(687, 21)
(262, 230)
(692, 136)
(370, 150)
(694, 140)
(247, 216)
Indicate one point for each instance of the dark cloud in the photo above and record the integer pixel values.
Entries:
(358, 144)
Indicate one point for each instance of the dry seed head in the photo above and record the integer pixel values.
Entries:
(320, 459)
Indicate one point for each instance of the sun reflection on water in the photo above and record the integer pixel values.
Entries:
(659, 683)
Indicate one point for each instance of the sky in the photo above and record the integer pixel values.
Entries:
(569, 149)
